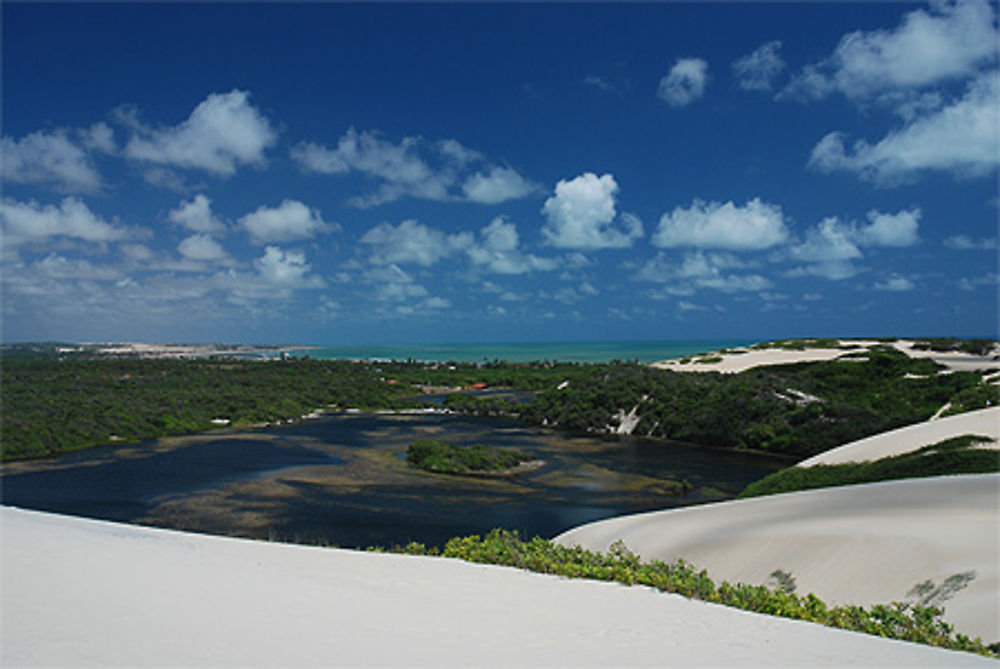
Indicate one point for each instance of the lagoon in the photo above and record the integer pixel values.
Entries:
(342, 480)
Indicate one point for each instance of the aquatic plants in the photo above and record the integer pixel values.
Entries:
(899, 620)
(444, 458)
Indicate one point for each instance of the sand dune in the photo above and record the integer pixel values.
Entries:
(862, 544)
(985, 422)
(739, 360)
(87, 593)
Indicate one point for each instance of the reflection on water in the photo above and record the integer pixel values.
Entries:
(339, 480)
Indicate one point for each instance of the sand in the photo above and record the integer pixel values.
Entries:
(985, 422)
(739, 360)
(80, 592)
(861, 544)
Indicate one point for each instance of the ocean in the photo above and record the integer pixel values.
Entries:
(587, 352)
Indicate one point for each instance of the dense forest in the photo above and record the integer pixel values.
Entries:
(51, 405)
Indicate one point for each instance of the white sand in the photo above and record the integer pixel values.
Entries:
(87, 593)
(862, 544)
(985, 422)
(732, 363)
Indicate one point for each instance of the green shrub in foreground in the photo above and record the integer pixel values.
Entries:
(901, 621)
(957, 455)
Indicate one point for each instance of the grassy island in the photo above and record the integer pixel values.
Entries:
(444, 458)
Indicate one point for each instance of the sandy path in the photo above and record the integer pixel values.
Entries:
(87, 593)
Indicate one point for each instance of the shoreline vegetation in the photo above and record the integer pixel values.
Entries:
(56, 402)
(904, 621)
(63, 402)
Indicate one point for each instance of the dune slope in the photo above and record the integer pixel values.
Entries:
(88, 593)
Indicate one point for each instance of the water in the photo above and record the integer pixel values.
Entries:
(340, 480)
(590, 352)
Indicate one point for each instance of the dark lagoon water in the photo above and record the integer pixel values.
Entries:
(342, 480)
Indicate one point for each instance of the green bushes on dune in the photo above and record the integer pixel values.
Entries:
(906, 622)
(957, 455)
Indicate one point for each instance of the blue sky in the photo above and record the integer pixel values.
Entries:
(353, 174)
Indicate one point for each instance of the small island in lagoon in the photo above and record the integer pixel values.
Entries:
(441, 457)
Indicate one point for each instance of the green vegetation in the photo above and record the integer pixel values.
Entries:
(444, 458)
(51, 405)
(943, 344)
(907, 622)
(957, 455)
(800, 409)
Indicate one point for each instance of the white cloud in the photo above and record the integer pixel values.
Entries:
(287, 269)
(137, 252)
(412, 168)
(98, 137)
(497, 251)
(31, 222)
(498, 185)
(967, 243)
(963, 138)
(890, 229)
(48, 158)
(685, 82)
(223, 132)
(896, 284)
(752, 227)
(700, 270)
(197, 216)
(289, 221)
(829, 250)
(399, 166)
(581, 215)
(601, 84)
(756, 71)
(949, 42)
(412, 242)
(828, 241)
(201, 247)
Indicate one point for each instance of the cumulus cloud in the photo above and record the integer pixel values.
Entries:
(950, 41)
(581, 215)
(890, 229)
(497, 251)
(967, 243)
(962, 138)
(412, 242)
(223, 132)
(829, 251)
(685, 82)
(411, 168)
(201, 247)
(701, 270)
(98, 137)
(196, 215)
(27, 222)
(752, 227)
(895, 284)
(48, 158)
(289, 221)
(287, 269)
(498, 185)
(756, 70)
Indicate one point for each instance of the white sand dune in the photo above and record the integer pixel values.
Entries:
(985, 422)
(80, 592)
(861, 544)
(740, 360)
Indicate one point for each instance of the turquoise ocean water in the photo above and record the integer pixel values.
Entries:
(643, 351)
